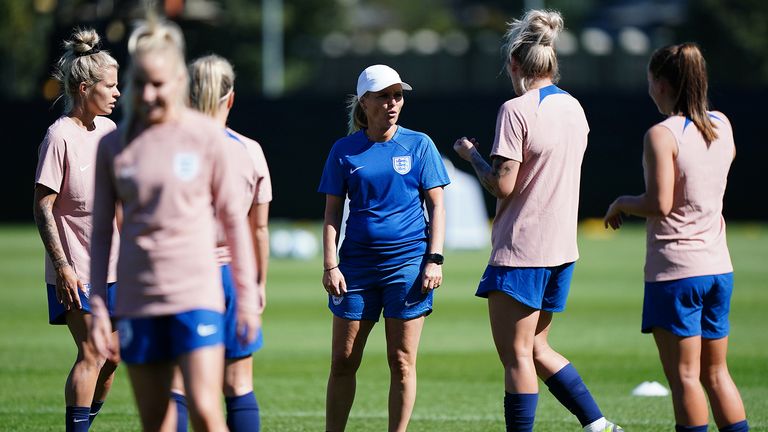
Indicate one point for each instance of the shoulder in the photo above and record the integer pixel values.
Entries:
(349, 142)
(105, 124)
(660, 140)
(59, 130)
(413, 139)
(720, 117)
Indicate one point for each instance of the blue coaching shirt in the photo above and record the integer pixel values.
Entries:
(385, 183)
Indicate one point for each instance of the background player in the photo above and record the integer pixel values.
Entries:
(688, 271)
(541, 136)
(63, 204)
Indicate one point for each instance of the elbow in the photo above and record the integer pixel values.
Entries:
(662, 208)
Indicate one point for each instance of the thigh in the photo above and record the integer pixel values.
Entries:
(363, 299)
(717, 307)
(513, 325)
(403, 336)
(151, 385)
(203, 372)
(680, 356)
(349, 338)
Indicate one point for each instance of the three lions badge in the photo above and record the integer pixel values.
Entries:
(402, 164)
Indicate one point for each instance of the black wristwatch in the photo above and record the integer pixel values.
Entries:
(435, 258)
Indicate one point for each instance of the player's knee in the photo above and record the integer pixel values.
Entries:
(401, 363)
(343, 365)
(713, 376)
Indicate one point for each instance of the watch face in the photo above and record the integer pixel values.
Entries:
(435, 258)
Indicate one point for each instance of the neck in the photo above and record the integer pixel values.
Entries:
(82, 117)
(539, 83)
(381, 134)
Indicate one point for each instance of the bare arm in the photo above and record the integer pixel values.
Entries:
(432, 276)
(67, 282)
(659, 152)
(333, 280)
(258, 218)
(498, 179)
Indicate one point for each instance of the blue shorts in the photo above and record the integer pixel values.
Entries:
(543, 288)
(57, 312)
(395, 289)
(165, 338)
(690, 306)
(233, 349)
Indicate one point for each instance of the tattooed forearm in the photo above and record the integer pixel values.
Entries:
(49, 233)
(485, 174)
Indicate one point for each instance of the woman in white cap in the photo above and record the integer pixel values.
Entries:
(391, 256)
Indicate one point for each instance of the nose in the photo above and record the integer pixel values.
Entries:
(117, 92)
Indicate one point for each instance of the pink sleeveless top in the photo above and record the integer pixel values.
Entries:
(690, 241)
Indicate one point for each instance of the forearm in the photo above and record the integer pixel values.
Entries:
(49, 232)
(330, 245)
(436, 229)
(261, 248)
(639, 205)
(484, 173)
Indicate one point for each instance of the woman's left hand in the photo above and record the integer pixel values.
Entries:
(431, 277)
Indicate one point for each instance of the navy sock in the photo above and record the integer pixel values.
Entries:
(568, 387)
(181, 411)
(702, 428)
(243, 413)
(741, 426)
(77, 418)
(519, 411)
(95, 408)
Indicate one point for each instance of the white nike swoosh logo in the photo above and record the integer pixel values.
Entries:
(206, 330)
(483, 278)
(352, 171)
(83, 168)
(79, 420)
(409, 304)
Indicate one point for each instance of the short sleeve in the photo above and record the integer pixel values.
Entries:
(51, 163)
(264, 182)
(332, 182)
(510, 133)
(433, 172)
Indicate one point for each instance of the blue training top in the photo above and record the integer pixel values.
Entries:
(385, 182)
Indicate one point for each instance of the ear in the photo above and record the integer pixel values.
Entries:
(82, 88)
(361, 101)
(231, 99)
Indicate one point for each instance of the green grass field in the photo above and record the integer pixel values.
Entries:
(460, 378)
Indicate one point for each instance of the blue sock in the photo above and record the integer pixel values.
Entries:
(181, 411)
(95, 408)
(741, 426)
(679, 428)
(519, 411)
(243, 413)
(568, 387)
(77, 418)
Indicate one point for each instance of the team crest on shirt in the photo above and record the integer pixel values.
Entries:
(186, 166)
(401, 164)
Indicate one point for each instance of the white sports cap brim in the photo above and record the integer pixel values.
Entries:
(378, 77)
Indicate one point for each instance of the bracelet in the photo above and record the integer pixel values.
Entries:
(329, 269)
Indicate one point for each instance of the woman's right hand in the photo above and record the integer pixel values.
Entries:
(465, 147)
(334, 283)
(248, 325)
(68, 287)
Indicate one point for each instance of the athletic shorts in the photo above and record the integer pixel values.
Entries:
(164, 338)
(57, 312)
(694, 306)
(233, 349)
(395, 289)
(543, 288)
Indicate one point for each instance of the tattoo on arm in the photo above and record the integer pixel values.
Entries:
(485, 174)
(49, 233)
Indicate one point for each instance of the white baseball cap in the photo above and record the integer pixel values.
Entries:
(378, 77)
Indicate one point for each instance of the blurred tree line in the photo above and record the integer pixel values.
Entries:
(733, 34)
